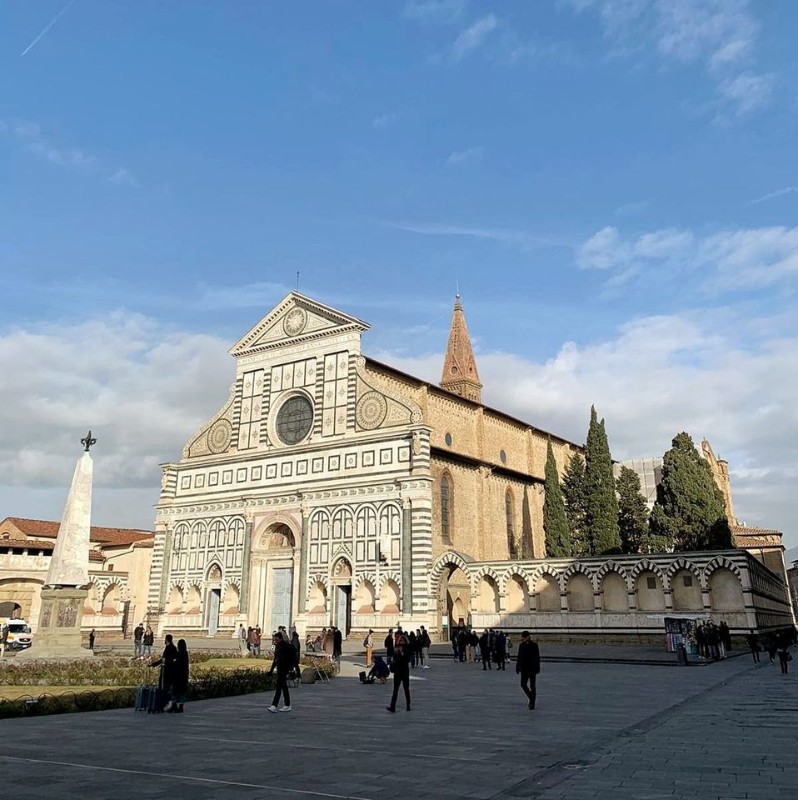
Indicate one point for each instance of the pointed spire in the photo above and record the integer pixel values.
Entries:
(460, 374)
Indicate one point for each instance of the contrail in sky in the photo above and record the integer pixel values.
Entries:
(47, 28)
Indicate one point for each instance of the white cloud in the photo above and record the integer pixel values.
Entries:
(145, 388)
(523, 239)
(746, 258)
(473, 37)
(660, 375)
(721, 35)
(462, 156)
(32, 140)
(773, 195)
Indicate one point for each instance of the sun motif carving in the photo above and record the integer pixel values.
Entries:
(295, 321)
(219, 436)
(371, 410)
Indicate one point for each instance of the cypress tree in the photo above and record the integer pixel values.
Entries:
(601, 502)
(573, 489)
(632, 513)
(555, 523)
(689, 510)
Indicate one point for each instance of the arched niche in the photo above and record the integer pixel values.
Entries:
(686, 591)
(548, 593)
(488, 595)
(725, 591)
(614, 594)
(650, 592)
(517, 595)
(580, 593)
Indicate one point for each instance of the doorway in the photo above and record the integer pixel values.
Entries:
(281, 595)
(343, 608)
(214, 603)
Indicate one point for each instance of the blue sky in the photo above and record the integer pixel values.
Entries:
(612, 185)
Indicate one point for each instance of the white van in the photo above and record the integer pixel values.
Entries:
(19, 635)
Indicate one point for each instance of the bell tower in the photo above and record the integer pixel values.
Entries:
(460, 374)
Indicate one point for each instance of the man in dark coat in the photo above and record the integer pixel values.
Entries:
(283, 664)
(389, 647)
(484, 646)
(753, 643)
(500, 649)
(338, 642)
(527, 665)
(168, 664)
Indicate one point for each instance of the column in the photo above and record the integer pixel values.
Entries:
(407, 557)
(303, 562)
(243, 599)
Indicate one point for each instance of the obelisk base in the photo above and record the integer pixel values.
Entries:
(58, 635)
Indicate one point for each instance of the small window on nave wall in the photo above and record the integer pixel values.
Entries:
(446, 508)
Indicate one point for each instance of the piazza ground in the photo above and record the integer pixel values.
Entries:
(618, 731)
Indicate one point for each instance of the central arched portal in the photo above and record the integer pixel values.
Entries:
(454, 600)
(272, 567)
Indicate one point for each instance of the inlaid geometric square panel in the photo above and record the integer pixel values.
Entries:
(213, 479)
(227, 476)
(350, 460)
(302, 467)
(185, 482)
(318, 465)
(257, 473)
(271, 470)
(241, 475)
(334, 463)
(386, 456)
(368, 458)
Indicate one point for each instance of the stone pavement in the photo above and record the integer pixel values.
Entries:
(600, 731)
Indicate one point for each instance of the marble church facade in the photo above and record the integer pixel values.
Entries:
(332, 489)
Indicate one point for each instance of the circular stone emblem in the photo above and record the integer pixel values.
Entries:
(371, 410)
(219, 436)
(295, 321)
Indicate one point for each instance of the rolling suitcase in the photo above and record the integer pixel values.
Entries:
(150, 699)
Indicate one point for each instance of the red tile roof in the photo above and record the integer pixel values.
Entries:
(40, 528)
(47, 545)
(745, 530)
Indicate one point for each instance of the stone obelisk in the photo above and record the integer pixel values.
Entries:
(64, 591)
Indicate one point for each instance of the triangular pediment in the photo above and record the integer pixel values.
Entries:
(296, 319)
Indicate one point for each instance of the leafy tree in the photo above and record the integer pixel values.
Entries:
(573, 489)
(601, 503)
(555, 523)
(689, 511)
(632, 513)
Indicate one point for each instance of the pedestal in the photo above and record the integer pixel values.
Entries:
(58, 634)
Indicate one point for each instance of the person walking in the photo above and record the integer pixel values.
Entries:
(400, 666)
(425, 645)
(180, 679)
(3, 639)
(241, 635)
(753, 644)
(389, 647)
(282, 664)
(256, 641)
(297, 645)
(500, 650)
(527, 665)
(92, 635)
(783, 649)
(411, 648)
(338, 644)
(138, 636)
(484, 649)
(368, 643)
